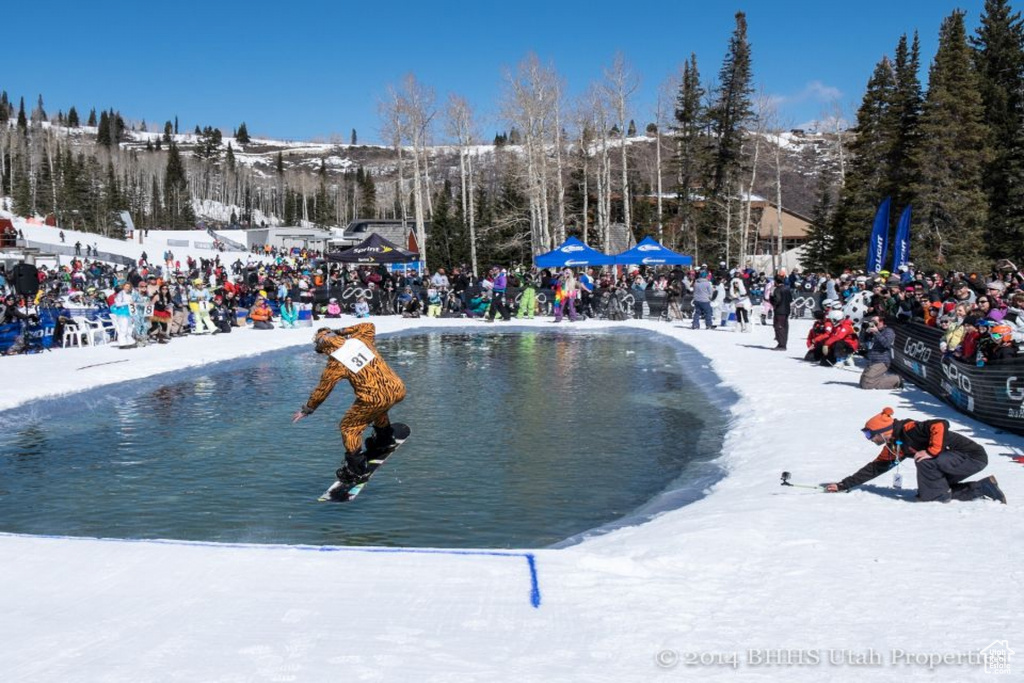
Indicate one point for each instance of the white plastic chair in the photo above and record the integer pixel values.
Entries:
(92, 331)
(106, 324)
(73, 335)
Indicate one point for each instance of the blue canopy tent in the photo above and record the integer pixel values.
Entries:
(573, 253)
(650, 252)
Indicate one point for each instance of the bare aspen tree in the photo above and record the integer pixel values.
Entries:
(560, 234)
(461, 127)
(416, 109)
(663, 108)
(391, 130)
(582, 121)
(836, 120)
(778, 193)
(620, 84)
(529, 102)
(765, 113)
(429, 196)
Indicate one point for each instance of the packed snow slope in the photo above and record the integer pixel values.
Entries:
(752, 582)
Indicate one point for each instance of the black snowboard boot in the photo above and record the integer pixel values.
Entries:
(382, 439)
(354, 469)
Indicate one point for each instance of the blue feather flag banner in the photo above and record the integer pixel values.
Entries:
(879, 243)
(901, 248)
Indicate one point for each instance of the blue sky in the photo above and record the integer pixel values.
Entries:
(310, 70)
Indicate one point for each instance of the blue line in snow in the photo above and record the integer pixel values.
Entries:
(531, 561)
(534, 583)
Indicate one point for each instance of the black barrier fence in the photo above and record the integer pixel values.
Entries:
(993, 394)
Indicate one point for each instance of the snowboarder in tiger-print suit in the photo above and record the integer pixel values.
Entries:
(351, 355)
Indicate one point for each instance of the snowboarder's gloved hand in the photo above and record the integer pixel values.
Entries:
(834, 488)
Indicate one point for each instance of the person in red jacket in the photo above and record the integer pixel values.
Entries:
(943, 458)
(842, 343)
(820, 331)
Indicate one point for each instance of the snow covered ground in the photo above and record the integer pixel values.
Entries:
(752, 582)
(751, 568)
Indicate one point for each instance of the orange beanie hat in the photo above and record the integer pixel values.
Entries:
(880, 423)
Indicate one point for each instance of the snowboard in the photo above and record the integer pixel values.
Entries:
(336, 493)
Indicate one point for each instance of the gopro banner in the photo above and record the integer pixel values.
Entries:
(993, 394)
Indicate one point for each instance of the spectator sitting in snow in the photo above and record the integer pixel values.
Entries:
(361, 308)
(289, 313)
(261, 315)
(880, 339)
(333, 309)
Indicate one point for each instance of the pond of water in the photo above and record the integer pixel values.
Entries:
(519, 439)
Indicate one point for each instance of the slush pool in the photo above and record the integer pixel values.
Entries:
(519, 439)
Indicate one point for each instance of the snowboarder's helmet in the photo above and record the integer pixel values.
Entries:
(836, 315)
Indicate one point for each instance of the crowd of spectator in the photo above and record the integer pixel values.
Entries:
(980, 317)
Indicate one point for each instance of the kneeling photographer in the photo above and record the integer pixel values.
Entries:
(879, 339)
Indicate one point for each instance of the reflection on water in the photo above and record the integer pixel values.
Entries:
(518, 440)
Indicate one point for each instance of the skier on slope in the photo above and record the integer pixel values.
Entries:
(944, 459)
(351, 355)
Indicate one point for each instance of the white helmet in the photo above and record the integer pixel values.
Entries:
(836, 315)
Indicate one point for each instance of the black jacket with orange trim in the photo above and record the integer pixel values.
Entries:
(908, 438)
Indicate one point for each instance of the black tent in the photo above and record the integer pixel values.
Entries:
(373, 250)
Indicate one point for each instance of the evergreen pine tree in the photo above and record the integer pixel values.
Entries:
(867, 174)
(178, 209)
(903, 119)
(208, 144)
(733, 108)
(175, 125)
(952, 156)
(446, 243)
(5, 108)
(229, 158)
(39, 113)
(92, 118)
(999, 60)
(103, 136)
(352, 139)
(280, 164)
(155, 205)
(730, 115)
(73, 118)
(242, 135)
(367, 195)
(818, 253)
(168, 130)
(691, 158)
(323, 215)
(22, 119)
(22, 196)
(631, 130)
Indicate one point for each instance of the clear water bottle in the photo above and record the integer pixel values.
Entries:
(897, 480)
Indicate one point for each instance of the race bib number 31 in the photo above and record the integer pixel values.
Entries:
(354, 355)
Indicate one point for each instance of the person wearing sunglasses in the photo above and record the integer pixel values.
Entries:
(998, 345)
(943, 458)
